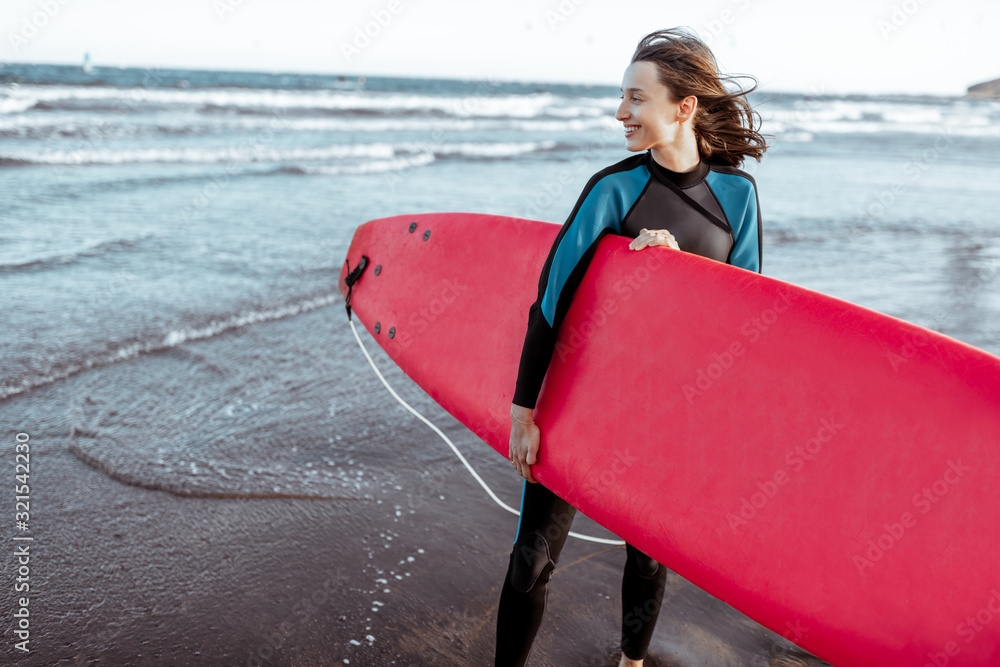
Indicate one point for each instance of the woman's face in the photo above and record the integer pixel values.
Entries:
(651, 119)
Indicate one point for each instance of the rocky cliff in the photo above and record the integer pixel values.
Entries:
(985, 89)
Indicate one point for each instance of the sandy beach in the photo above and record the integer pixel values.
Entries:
(404, 570)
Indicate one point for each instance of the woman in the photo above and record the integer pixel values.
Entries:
(684, 192)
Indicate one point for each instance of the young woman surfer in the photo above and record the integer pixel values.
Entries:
(683, 189)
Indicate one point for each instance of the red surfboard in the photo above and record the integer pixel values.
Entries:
(828, 470)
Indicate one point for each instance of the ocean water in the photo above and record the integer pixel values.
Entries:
(170, 243)
(145, 209)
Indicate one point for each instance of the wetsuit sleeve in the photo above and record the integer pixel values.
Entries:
(748, 249)
(597, 211)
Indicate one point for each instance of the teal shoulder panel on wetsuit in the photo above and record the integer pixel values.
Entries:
(737, 195)
(604, 208)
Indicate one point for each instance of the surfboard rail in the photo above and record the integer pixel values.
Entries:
(823, 468)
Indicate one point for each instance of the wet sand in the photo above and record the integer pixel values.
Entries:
(172, 528)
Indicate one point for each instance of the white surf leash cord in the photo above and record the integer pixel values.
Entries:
(461, 458)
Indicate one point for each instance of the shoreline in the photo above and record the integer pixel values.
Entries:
(135, 576)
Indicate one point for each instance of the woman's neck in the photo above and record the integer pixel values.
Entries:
(680, 156)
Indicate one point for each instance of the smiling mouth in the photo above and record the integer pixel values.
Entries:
(630, 130)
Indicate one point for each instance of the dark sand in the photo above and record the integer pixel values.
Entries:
(139, 558)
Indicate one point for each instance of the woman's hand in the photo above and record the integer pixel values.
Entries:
(524, 440)
(648, 237)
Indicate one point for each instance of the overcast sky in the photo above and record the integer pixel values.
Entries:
(900, 46)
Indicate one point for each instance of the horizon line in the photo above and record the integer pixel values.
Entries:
(761, 87)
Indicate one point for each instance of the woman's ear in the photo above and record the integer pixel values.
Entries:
(687, 108)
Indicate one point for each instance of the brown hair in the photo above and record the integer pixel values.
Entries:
(724, 122)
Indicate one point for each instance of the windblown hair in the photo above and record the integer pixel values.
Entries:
(725, 125)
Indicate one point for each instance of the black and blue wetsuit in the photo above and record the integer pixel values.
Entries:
(712, 211)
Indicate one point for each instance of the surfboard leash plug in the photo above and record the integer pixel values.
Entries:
(352, 277)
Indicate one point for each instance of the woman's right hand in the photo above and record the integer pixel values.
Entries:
(652, 237)
(524, 441)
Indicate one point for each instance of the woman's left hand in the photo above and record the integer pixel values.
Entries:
(649, 237)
